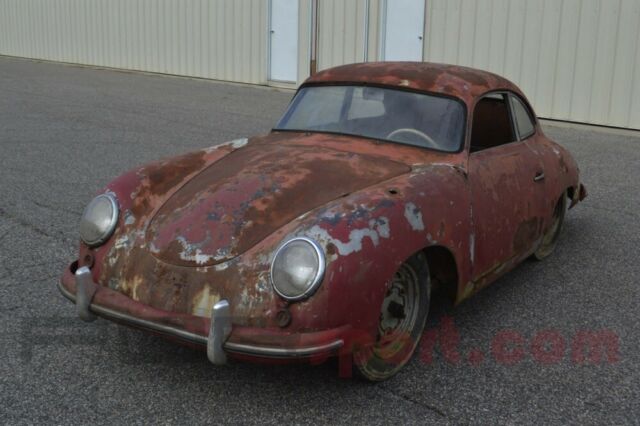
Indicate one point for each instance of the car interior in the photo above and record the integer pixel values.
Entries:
(492, 125)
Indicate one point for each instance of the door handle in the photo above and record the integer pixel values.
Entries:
(539, 177)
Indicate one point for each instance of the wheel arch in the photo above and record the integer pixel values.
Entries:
(443, 270)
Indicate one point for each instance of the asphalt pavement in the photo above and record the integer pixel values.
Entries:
(65, 131)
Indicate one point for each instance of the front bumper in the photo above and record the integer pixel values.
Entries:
(217, 334)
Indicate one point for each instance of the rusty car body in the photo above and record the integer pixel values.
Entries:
(189, 249)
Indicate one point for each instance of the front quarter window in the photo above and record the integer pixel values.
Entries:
(391, 115)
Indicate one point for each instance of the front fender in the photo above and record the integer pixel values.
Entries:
(369, 234)
(140, 192)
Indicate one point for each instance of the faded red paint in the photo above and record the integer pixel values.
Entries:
(204, 227)
(456, 81)
(236, 203)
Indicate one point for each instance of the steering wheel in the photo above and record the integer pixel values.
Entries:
(416, 132)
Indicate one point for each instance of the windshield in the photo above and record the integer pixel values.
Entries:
(386, 114)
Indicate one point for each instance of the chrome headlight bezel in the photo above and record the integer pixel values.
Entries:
(319, 276)
(111, 224)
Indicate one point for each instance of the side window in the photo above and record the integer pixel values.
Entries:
(524, 122)
(492, 124)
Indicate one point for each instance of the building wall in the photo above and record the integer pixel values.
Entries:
(219, 39)
(342, 32)
(577, 60)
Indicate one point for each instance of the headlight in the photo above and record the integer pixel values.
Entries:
(99, 220)
(297, 269)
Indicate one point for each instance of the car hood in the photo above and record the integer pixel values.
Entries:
(250, 193)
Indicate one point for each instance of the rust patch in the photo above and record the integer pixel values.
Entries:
(163, 178)
(233, 205)
(461, 82)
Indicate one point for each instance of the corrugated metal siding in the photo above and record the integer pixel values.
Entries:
(342, 32)
(577, 60)
(219, 39)
(304, 41)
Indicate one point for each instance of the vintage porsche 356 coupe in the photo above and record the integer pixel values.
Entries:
(381, 182)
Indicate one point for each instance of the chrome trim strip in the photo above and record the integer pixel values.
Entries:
(202, 340)
(283, 352)
(165, 329)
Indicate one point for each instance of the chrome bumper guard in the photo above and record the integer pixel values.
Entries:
(85, 290)
(219, 331)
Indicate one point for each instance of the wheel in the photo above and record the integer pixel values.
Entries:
(402, 320)
(550, 238)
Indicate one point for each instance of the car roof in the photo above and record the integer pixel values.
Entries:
(452, 80)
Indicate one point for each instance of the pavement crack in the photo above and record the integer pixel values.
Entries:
(55, 209)
(414, 402)
(21, 222)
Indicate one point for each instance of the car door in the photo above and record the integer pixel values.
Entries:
(545, 191)
(502, 171)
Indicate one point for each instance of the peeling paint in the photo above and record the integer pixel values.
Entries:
(377, 229)
(191, 253)
(235, 144)
(203, 303)
(414, 217)
(129, 218)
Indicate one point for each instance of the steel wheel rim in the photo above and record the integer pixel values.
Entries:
(399, 314)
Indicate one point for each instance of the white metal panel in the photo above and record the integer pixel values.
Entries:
(577, 60)
(342, 32)
(219, 39)
(403, 28)
(283, 59)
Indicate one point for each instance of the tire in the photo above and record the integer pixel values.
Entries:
(403, 316)
(550, 238)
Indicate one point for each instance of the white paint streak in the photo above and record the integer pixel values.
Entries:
(222, 266)
(235, 144)
(378, 228)
(414, 217)
(130, 219)
(192, 254)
